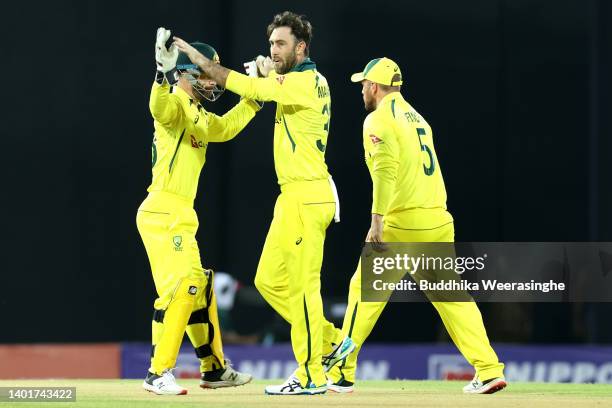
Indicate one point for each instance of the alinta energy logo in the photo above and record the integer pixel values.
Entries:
(196, 143)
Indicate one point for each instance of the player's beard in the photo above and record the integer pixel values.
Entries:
(369, 103)
(287, 65)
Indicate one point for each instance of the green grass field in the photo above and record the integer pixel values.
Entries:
(128, 393)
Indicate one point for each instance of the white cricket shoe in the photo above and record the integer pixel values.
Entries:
(164, 384)
(339, 353)
(224, 377)
(343, 386)
(487, 387)
(293, 387)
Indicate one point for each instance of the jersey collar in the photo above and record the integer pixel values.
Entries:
(389, 97)
(186, 97)
(305, 65)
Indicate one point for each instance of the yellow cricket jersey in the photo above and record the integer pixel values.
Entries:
(302, 118)
(408, 188)
(183, 130)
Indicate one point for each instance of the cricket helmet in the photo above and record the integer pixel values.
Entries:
(192, 72)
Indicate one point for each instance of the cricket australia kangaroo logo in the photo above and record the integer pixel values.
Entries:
(178, 242)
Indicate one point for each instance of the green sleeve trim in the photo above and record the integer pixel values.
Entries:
(288, 133)
(176, 151)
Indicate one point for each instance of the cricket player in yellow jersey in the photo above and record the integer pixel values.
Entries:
(289, 271)
(168, 223)
(408, 205)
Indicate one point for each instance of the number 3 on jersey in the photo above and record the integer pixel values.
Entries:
(424, 148)
(153, 151)
(326, 111)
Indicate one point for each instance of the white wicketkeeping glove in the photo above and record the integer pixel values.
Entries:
(259, 67)
(251, 69)
(165, 58)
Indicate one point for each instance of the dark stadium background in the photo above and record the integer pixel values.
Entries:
(516, 91)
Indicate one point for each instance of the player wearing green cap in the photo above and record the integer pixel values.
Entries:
(408, 205)
(168, 223)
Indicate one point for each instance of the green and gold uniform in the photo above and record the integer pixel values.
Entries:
(408, 190)
(289, 271)
(168, 223)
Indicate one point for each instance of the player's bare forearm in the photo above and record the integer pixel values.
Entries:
(376, 228)
(214, 71)
(375, 234)
(377, 219)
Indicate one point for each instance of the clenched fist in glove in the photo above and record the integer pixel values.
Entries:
(165, 58)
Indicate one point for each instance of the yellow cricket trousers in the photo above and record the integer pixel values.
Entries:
(289, 271)
(462, 320)
(167, 224)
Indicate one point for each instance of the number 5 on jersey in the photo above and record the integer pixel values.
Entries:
(424, 148)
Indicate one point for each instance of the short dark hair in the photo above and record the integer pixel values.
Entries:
(300, 27)
(389, 88)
